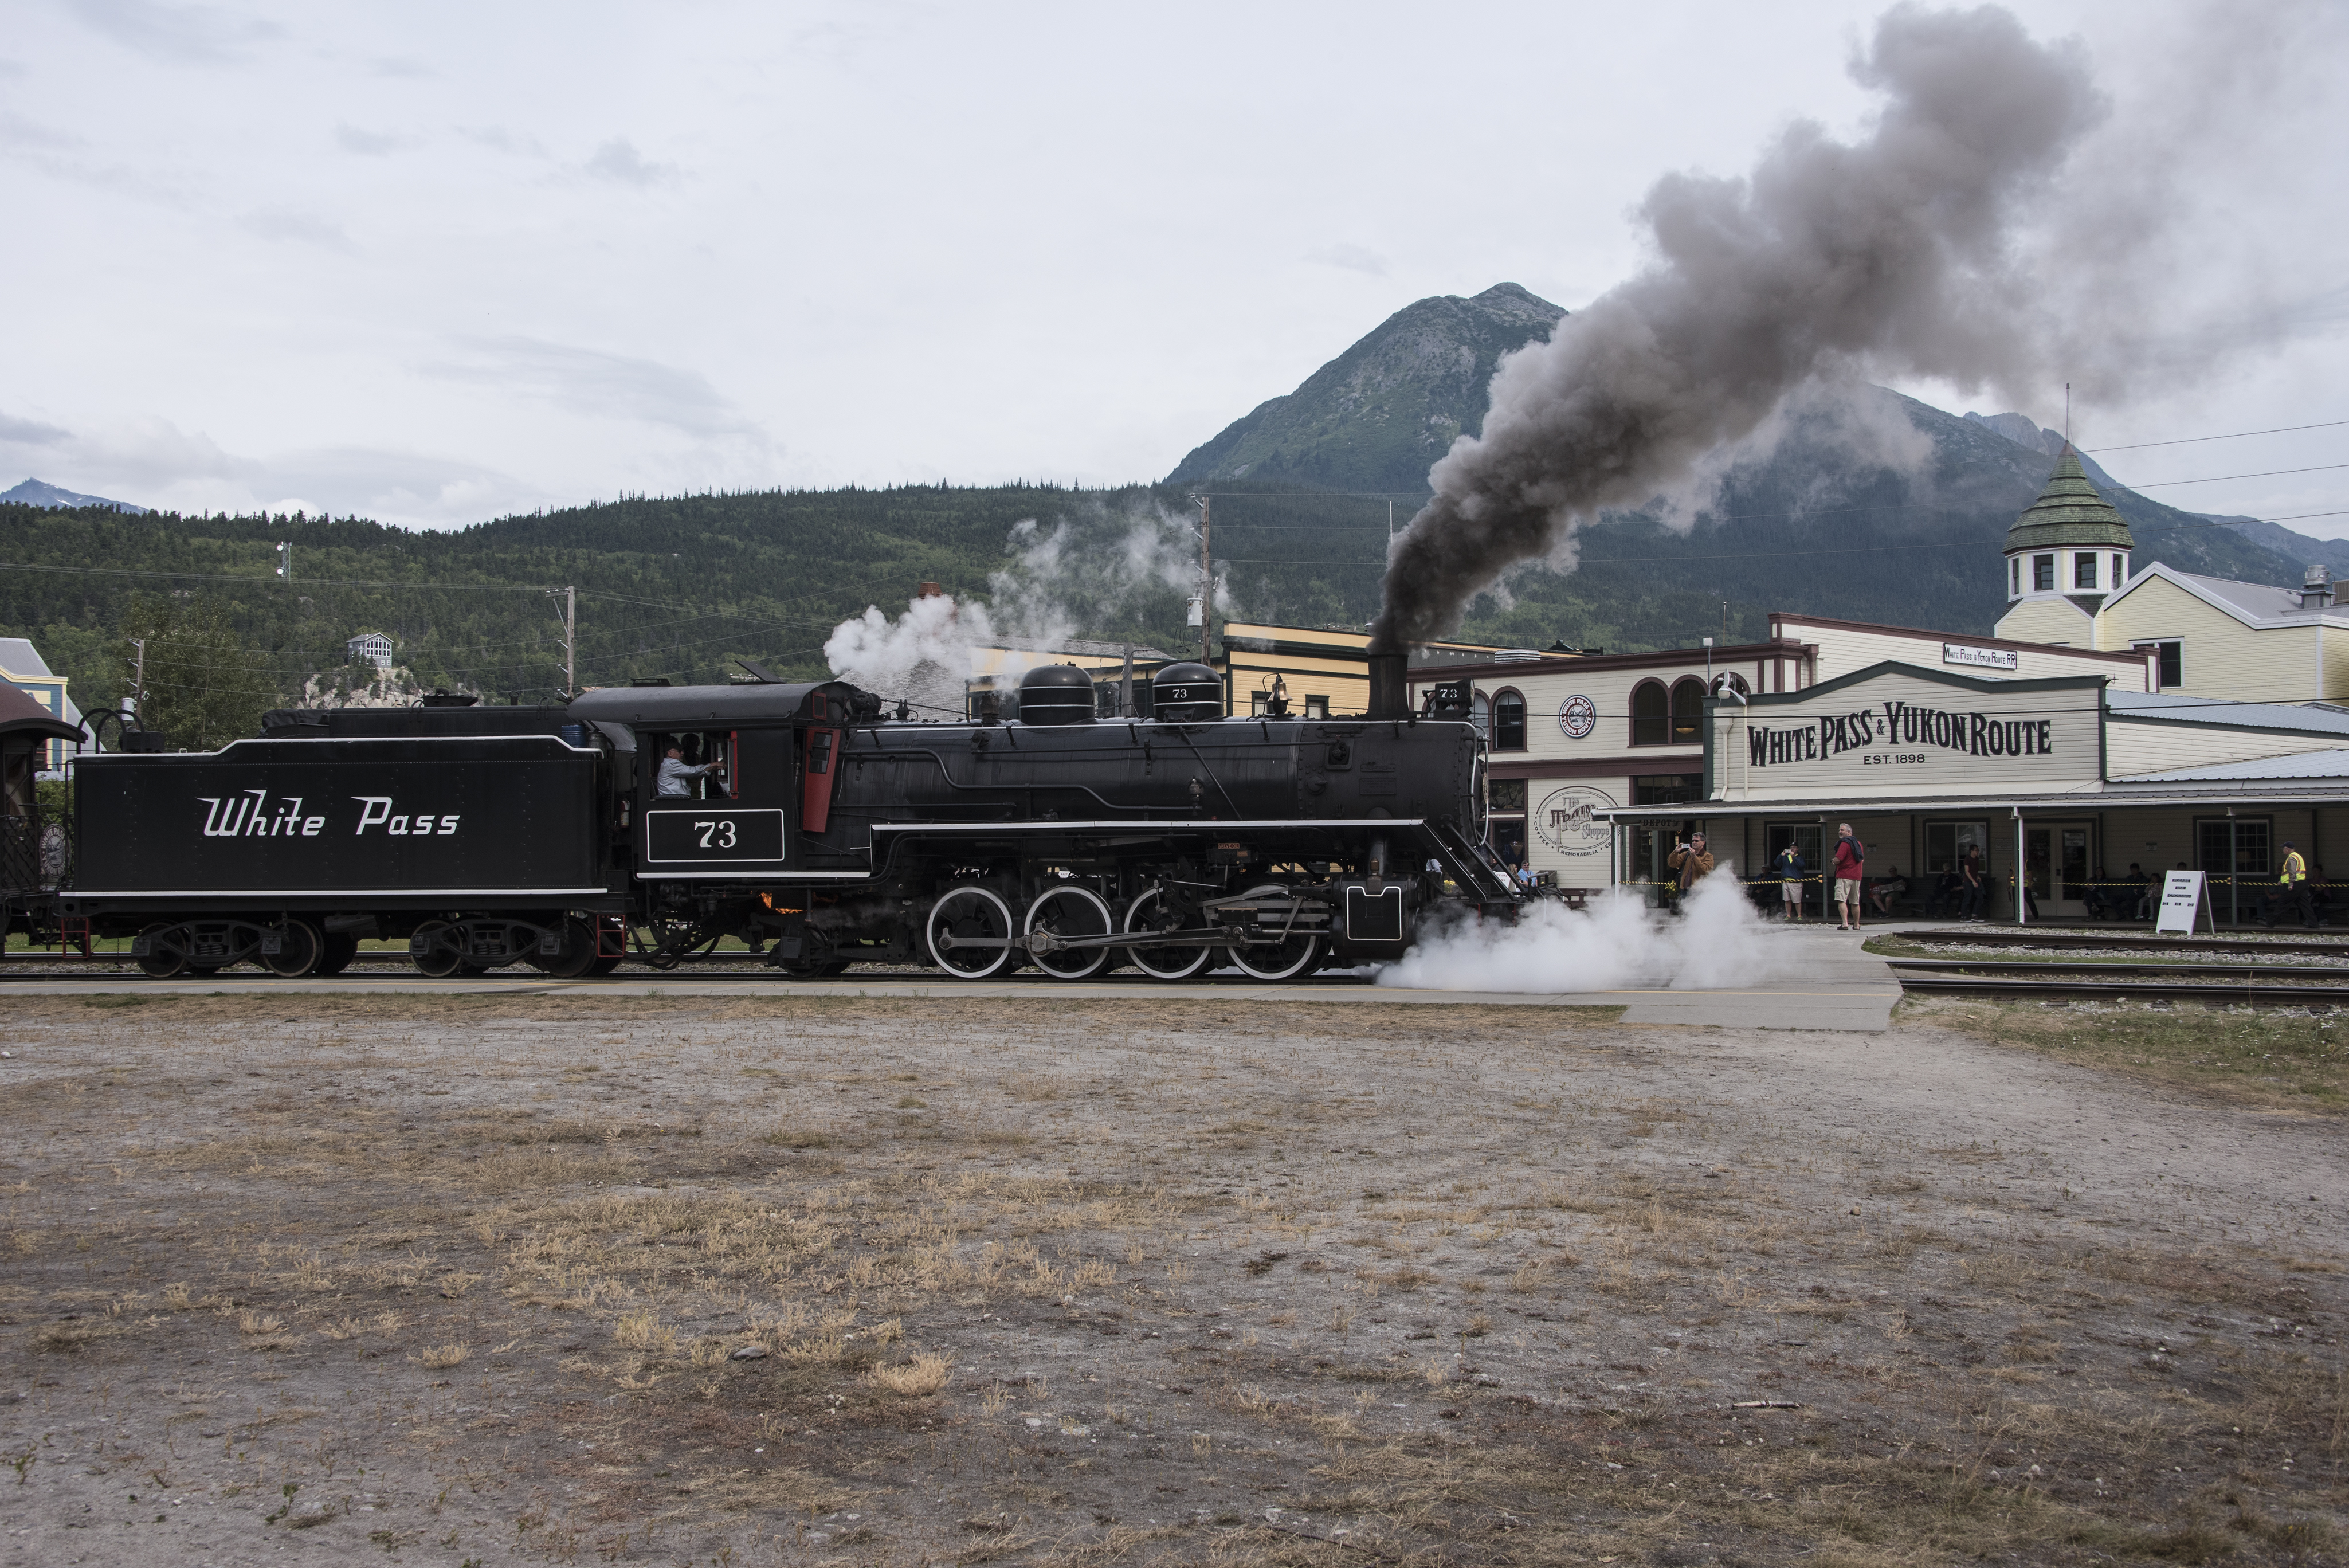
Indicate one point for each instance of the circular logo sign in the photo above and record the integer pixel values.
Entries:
(1565, 821)
(1577, 716)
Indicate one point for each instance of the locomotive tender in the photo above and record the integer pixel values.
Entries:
(817, 830)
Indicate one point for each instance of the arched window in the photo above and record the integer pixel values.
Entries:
(1480, 713)
(1651, 722)
(1688, 711)
(1508, 721)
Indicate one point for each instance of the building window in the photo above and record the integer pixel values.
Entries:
(1945, 841)
(1687, 712)
(1260, 704)
(2251, 841)
(1651, 714)
(2084, 569)
(2014, 577)
(1480, 713)
(2120, 570)
(1505, 795)
(1508, 721)
(1316, 707)
(2170, 671)
(2043, 573)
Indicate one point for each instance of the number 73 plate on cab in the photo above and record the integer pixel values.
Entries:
(714, 834)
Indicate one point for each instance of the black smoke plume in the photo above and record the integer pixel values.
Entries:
(1894, 255)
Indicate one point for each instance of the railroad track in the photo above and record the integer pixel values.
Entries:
(2097, 941)
(2235, 984)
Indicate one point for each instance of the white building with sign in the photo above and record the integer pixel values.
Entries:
(2119, 725)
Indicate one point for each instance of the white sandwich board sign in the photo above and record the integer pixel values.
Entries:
(2181, 897)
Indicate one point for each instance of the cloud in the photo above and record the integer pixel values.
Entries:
(30, 432)
(1353, 258)
(619, 162)
(302, 228)
(371, 143)
(178, 34)
(16, 131)
(589, 381)
(62, 155)
(398, 66)
(498, 138)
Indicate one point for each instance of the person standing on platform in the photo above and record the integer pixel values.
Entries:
(1970, 870)
(1791, 872)
(2296, 886)
(1850, 872)
(1692, 863)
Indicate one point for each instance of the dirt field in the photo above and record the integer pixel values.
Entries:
(475, 1280)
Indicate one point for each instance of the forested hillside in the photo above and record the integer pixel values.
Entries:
(1869, 506)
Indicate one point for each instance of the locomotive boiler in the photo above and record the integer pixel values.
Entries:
(802, 820)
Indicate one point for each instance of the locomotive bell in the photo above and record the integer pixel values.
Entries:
(1186, 693)
(1056, 694)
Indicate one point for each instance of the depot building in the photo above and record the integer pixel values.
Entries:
(2177, 721)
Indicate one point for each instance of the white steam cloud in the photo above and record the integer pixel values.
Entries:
(1617, 942)
(1076, 576)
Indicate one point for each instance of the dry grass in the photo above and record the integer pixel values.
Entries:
(1300, 1285)
(2279, 1058)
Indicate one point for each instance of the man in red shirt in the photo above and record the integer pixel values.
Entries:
(1850, 871)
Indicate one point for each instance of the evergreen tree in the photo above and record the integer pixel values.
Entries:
(204, 687)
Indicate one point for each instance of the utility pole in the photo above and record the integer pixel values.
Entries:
(286, 559)
(139, 679)
(1206, 581)
(570, 639)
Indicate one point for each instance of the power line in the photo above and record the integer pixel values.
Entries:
(2221, 478)
(2238, 435)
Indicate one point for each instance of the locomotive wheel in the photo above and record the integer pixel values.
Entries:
(1160, 964)
(1070, 911)
(336, 953)
(442, 956)
(300, 950)
(969, 932)
(605, 965)
(161, 962)
(1286, 960)
(577, 959)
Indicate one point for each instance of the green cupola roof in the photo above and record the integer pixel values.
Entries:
(2069, 512)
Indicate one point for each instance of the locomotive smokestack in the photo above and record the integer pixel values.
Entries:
(1389, 686)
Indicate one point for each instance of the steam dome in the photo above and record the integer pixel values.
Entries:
(1186, 693)
(1056, 694)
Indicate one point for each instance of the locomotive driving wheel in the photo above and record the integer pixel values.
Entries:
(1058, 914)
(969, 932)
(1151, 912)
(1290, 953)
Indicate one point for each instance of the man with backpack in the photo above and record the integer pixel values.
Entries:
(1850, 872)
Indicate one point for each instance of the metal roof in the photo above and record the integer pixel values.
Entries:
(2332, 764)
(2171, 707)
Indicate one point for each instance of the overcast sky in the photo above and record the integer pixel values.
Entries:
(435, 262)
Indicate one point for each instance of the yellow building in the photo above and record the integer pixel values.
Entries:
(1322, 670)
(2069, 585)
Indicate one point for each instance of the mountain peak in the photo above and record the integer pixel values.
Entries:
(1377, 416)
(33, 493)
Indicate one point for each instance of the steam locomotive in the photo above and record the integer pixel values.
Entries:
(817, 830)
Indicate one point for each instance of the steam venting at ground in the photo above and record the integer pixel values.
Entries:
(1617, 942)
(1076, 578)
(1895, 255)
